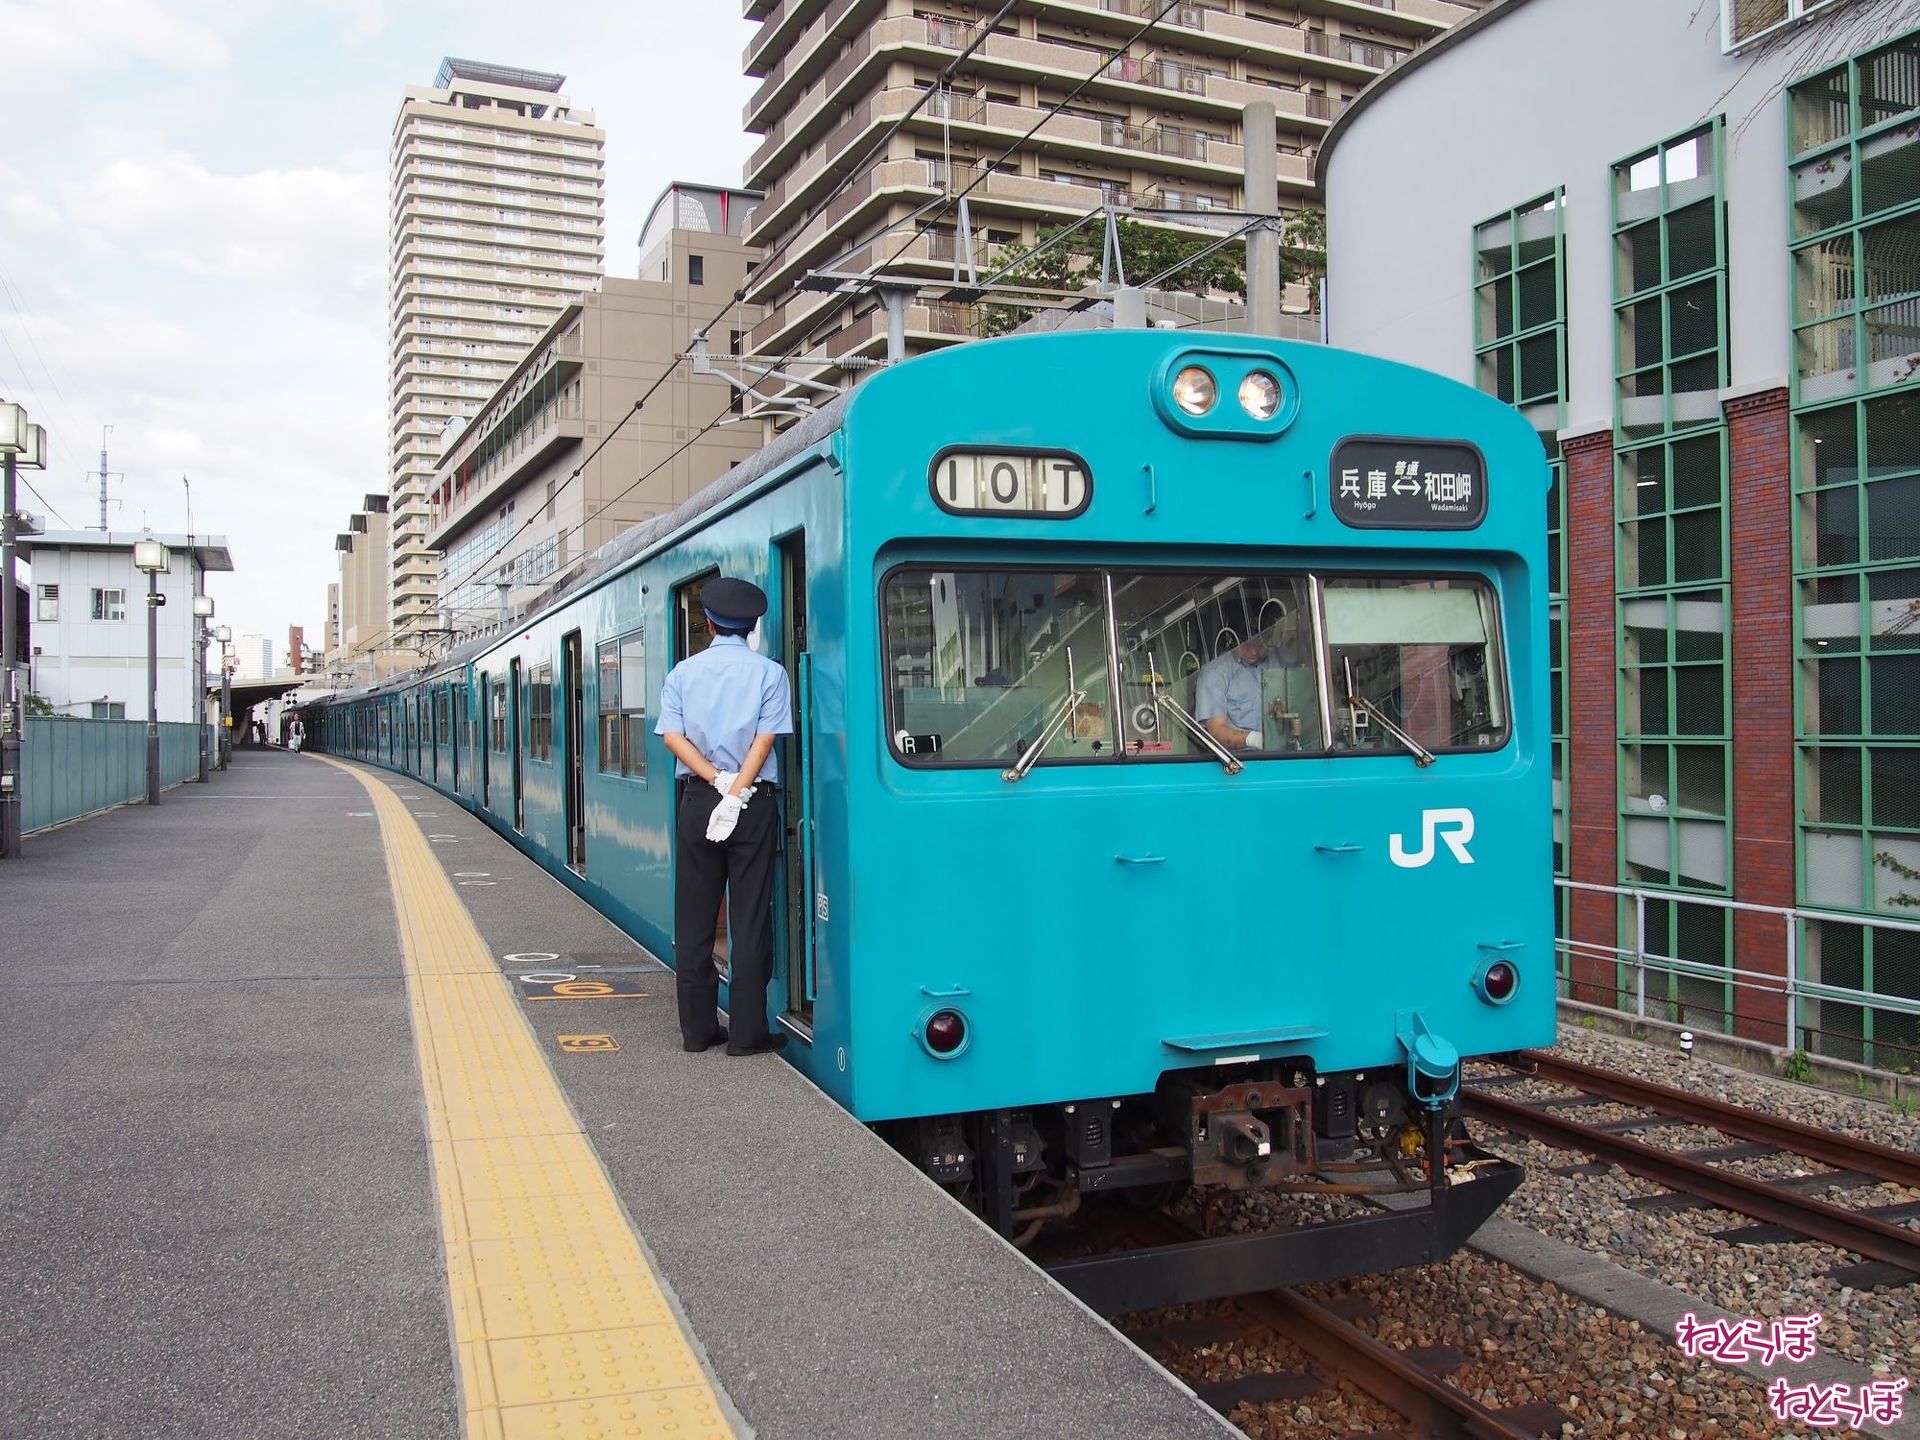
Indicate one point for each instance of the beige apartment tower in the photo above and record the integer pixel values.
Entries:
(497, 223)
(508, 517)
(1158, 132)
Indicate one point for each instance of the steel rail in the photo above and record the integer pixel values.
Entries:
(1860, 1234)
(1420, 1397)
(1897, 1166)
(1441, 1411)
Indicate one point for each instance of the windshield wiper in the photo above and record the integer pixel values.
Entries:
(1199, 732)
(1422, 756)
(1060, 717)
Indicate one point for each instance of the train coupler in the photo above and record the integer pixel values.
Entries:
(1249, 1135)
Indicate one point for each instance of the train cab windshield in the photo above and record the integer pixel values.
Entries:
(998, 666)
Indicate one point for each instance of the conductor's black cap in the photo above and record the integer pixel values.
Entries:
(734, 599)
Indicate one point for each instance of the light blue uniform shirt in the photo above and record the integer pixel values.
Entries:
(1230, 688)
(723, 697)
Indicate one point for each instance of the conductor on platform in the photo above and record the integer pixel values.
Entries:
(719, 713)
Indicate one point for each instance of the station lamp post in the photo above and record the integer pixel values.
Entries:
(150, 555)
(23, 446)
(224, 634)
(202, 612)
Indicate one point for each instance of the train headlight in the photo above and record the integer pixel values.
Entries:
(1498, 982)
(1192, 383)
(1260, 395)
(1194, 390)
(943, 1033)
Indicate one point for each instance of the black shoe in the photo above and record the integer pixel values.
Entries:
(694, 1047)
(760, 1047)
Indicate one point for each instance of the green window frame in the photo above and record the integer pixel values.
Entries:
(1670, 286)
(622, 667)
(1520, 308)
(1520, 356)
(1700, 938)
(1675, 778)
(1853, 129)
(1854, 223)
(1869, 958)
(1671, 558)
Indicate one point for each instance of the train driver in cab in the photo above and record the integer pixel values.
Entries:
(1246, 696)
(720, 711)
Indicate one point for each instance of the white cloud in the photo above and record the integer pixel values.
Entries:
(316, 228)
(48, 37)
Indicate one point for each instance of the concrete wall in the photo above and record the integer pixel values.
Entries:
(1553, 93)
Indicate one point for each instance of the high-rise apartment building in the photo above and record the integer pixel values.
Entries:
(496, 224)
(364, 549)
(556, 463)
(1159, 131)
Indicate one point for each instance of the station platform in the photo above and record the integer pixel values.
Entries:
(291, 1145)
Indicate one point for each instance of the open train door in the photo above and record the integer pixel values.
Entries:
(576, 799)
(794, 880)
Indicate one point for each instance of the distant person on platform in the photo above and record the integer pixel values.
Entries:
(720, 711)
(296, 732)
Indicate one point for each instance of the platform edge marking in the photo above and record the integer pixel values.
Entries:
(471, 1039)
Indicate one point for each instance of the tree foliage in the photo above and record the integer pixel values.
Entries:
(1148, 251)
(1145, 251)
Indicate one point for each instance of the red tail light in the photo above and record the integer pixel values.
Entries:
(946, 1032)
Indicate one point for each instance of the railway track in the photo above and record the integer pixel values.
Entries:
(1785, 1210)
(1410, 1383)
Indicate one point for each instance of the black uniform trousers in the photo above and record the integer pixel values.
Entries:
(741, 867)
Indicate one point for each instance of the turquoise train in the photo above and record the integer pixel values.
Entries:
(1169, 800)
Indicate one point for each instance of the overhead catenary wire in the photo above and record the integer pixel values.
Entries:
(984, 31)
(66, 407)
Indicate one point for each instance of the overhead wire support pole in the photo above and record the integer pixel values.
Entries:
(1261, 185)
(10, 722)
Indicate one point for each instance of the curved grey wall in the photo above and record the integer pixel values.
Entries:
(1549, 94)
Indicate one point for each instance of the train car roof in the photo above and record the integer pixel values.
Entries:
(633, 543)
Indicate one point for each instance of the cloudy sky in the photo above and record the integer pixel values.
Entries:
(193, 231)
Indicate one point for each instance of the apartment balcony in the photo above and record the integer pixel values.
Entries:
(1159, 147)
(1200, 89)
(777, 91)
(779, 43)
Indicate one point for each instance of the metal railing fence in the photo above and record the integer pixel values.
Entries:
(1812, 1007)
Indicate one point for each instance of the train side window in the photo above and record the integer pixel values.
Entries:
(540, 713)
(1422, 654)
(497, 707)
(622, 665)
(1234, 651)
(692, 634)
(982, 664)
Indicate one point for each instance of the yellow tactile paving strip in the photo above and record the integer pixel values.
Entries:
(560, 1326)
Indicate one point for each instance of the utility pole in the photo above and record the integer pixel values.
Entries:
(103, 472)
(22, 446)
(10, 722)
(1262, 186)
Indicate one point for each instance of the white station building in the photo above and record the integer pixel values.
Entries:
(89, 652)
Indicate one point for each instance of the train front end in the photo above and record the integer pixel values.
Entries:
(1205, 828)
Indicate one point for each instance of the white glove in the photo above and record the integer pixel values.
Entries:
(725, 816)
(723, 780)
(1254, 740)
